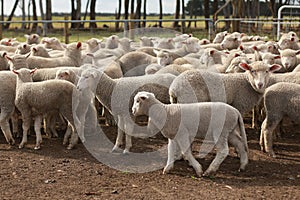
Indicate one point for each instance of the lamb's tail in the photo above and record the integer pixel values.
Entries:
(242, 130)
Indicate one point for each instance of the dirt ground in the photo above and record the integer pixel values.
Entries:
(53, 172)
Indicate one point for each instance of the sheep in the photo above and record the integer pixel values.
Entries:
(7, 106)
(220, 37)
(113, 94)
(166, 43)
(175, 69)
(32, 38)
(50, 73)
(37, 98)
(23, 48)
(180, 123)
(180, 38)
(270, 58)
(289, 41)
(241, 90)
(3, 61)
(297, 69)
(72, 57)
(17, 61)
(93, 45)
(53, 43)
(234, 64)
(232, 41)
(146, 42)
(112, 42)
(281, 99)
(289, 59)
(39, 50)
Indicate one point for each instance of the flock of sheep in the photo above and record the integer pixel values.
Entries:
(188, 88)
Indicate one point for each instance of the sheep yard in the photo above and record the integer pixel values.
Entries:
(53, 172)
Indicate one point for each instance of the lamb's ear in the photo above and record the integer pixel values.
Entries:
(90, 54)
(4, 54)
(244, 66)
(78, 45)
(274, 68)
(14, 71)
(277, 57)
(211, 52)
(8, 58)
(26, 36)
(32, 71)
(297, 52)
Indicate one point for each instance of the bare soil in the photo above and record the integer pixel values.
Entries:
(53, 172)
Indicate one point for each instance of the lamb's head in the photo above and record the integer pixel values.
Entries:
(289, 58)
(140, 103)
(220, 37)
(258, 74)
(23, 48)
(24, 74)
(39, 50)
(65, 74)
(163, 57)
(73, 50)
(32, 39)
(232, 41)
(125, 43)
(146, 42)
(89, 79)
(93, 44)
(17, 61)
(192, 45)
(269, 58)
(234, 64)
(112, 42)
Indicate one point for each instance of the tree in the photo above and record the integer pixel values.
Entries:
(126, 14)
(49, 14)
(160, 13)
(206, 12)
(177, 13)
(75, 13)
(182, 17)
(137, 14)
(23, 14)
(11, 14)
(145, 13)
(93, 14)
(34, 16)
(118, 16)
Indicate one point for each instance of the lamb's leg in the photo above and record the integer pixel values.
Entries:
(74, 137)
(128, 143)
(222, 152)
(25, 125)
(267, 132)
(261, 138)
(67, 135)
(171, 156)
(184, 143)
(37, 129)
(119, 140)
(235, 139)
(15, 124)
(4, 123)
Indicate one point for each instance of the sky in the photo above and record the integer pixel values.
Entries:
(102, 6)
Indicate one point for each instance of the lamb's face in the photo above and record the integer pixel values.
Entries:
(259, 73)
(139, 106)
(88, 80)
(192, 45)
(164, 58)
(288, 58)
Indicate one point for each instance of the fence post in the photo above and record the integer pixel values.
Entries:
(1, 26)
(66, 30)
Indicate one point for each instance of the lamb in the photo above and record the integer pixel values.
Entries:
(52, 95)
(53, 43)
(112, 42)
(166, 43)
(32, 39)
(232, 41)
(220, 37)
(120, 92)
(281, 99)
(146, 42)
(289, 59)
(241, 90)
(39, 50)
(72, 57)
(3, 61)
(175, 69)
(7, 106)
(23, 48)
(289, 41)
(17, 61)
(234, 64)
(180, 123)
(50, 73)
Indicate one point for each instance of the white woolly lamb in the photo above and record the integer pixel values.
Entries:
(115, 93)
(281, 99)
(181, 123)
(32, 38)
(289, 59)
(38, 98)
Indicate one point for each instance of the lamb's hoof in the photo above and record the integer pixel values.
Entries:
(37, 147)
(241, 169)
(208, 174)
(167, 169)
(11, 142)
(272, 154)
(70, 147)
(126, 152)
(21, 146)
(115, 149)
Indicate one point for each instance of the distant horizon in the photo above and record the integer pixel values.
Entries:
(106, 7)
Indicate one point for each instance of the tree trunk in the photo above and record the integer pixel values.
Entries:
(132, 14)
(23, 14)
(182, 17)
(177, 13)
(93, 25)
(145, 13)
(28, 13)
(76, 13)
(126, 14)
(118, 16)
(34, 17)
(160, 13)
(49, 13)
(86, 11)
(206, 12)
(137, 14)
(11, 14)
(191, 11)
